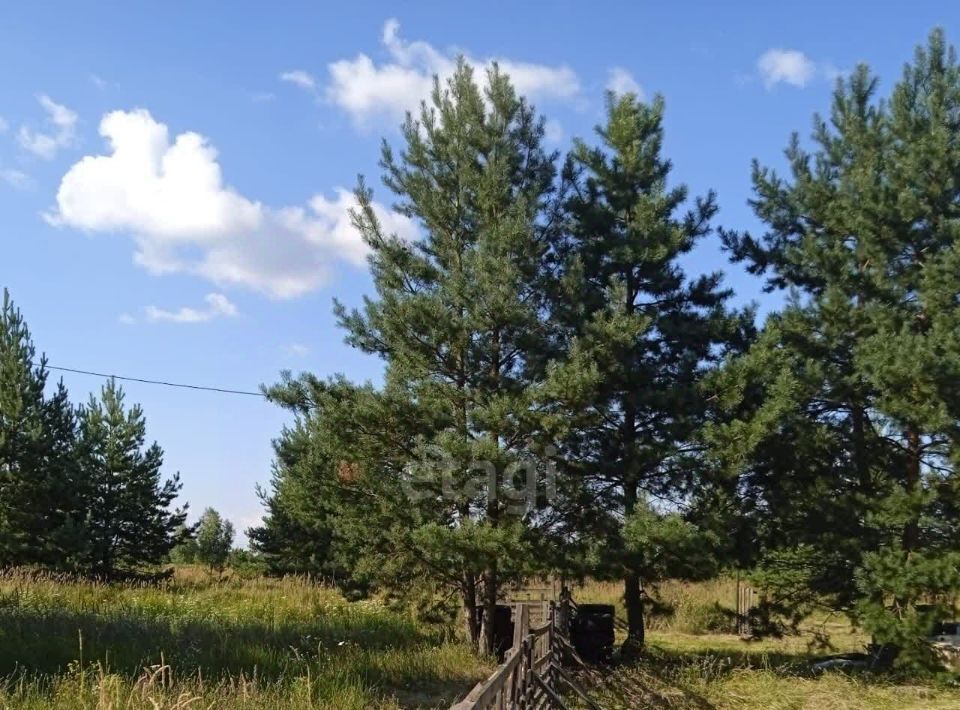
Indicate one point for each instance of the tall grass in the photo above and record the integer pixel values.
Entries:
(693, 661)
(710, 682)
(685, 607)
(200, 642)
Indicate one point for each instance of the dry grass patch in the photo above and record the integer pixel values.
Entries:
(202, 642)
(694, 668)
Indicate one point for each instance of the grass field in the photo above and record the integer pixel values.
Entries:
(198, 643)
(690, 666)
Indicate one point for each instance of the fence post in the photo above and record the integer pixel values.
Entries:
(736, 595)
(551, 645)
(563, 618)
(521, 623)
(745, 600)
(520, 684)
(528, 673)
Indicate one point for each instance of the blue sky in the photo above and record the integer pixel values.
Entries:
(172, 175)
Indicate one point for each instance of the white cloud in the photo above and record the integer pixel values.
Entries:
(3, 125)
(62, 120)
(553, 132)
(218, 306)
(789, 66)
(833, 72)
(365, 89)
(126, 319)
(171, 197)
(300, 78)
(620, 81)
(99, 81)
(296, 349)
(16, 179)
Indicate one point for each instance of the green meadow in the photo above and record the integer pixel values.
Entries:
(197, 641)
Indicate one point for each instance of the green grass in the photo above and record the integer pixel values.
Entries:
(712, 683)
(266, 644)
(687, 667)
(196, 642)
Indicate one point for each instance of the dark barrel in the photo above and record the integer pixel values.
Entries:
(502, 629)
(592, 632)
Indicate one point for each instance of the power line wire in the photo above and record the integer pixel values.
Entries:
(221, 390)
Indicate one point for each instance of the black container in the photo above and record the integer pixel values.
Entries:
(592, 632)
(502, 629)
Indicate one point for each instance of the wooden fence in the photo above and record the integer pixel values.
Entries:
(532, 671)
(746, 601)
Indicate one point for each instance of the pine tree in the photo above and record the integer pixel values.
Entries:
(357, 496)
(38, 479)
(129, 522)
(296, 535)
(457, 315)
(847, 445)
(66, 505)
(642, 335)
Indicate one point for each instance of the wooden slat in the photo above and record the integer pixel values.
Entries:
(538, 631)
(553, 696)
(576, 688)
(486, 690)
(528, 676)
(521, 623)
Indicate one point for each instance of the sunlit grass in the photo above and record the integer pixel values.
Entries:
(198, 641)
(686, 667)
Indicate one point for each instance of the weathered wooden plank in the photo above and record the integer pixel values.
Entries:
(537, 631)
(528, 677)
(575, 687)
(521, 623)
(485, 691)
(554, 698)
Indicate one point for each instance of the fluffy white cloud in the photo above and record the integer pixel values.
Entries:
(16, 178)
(300, 78)
(63, 123)
(366, 89)
(3, 125)
(218, 306)
(789, 66)
(620, 81)
(171, 196)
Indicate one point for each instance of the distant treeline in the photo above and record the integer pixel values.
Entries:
(560, 396)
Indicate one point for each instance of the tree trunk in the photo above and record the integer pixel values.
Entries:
(493, 518)
(860, 447)
(469, 597)
(489, 609)
(632, 589)
(911, 531)
(633, 600)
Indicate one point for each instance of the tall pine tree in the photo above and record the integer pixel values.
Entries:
(129, 521)
(642, 335)
(844, 444)
(457, 316)
(303, 500)
(39, 506)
